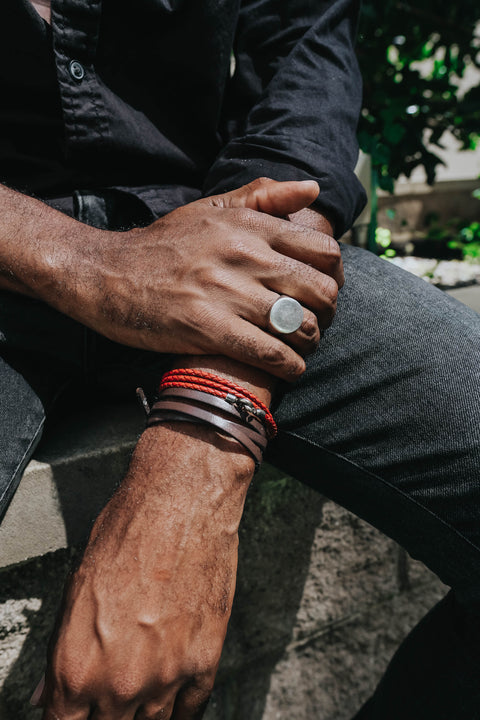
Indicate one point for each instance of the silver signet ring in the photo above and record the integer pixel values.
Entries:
(286, 315)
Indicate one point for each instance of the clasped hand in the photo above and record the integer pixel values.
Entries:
(202, 279)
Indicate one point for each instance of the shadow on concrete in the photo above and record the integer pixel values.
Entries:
(38, 582)
(276, 538)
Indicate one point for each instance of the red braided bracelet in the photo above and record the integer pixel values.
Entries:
(221, 387)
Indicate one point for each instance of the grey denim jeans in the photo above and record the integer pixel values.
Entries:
(385, 421)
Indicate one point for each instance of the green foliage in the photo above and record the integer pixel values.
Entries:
(457, 235)
(412, 58)
(468, 241)
(383, 238)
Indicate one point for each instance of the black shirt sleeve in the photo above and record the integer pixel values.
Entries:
(293, 102)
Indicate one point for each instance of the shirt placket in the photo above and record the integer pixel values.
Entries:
(75, 25)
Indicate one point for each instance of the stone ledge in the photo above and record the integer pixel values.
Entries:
(69, 481)
(468, 296)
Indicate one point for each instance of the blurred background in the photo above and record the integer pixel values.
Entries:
(420, 135)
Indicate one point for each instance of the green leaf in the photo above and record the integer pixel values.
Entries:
(394, 133)
(392, 45)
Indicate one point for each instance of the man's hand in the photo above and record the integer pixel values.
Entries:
(145, 616)
(201, 280)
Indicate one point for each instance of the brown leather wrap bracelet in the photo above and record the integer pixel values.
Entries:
(212, 401)
(167, 410)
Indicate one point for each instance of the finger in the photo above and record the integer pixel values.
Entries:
(255, 305)
(286, 239)
(191, 703)
(247, 343)
(309, 247)
(312, 289)
(281, 275)
(298, 242)
(314, 219)
(306, 339)
(269, 196)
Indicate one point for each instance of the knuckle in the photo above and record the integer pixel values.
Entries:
(294, 369)
(247, 218)
(124, 689)
(310, 328)
(259, 182)
(68, 688)
(327, 316)
(272, 354)
(211, 657)
(167, 675)
(328, 295)
(331, 252)
(204, 688)
(329, 290)
(332, 247)
(281, 361)
(70, 676)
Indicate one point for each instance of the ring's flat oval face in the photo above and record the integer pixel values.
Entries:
(286, 315)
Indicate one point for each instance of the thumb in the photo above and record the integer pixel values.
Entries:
(270, 196)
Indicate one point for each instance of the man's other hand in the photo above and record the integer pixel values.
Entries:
(144, 617)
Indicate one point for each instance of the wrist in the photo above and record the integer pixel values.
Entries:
(183, 460)
(65, 270)
(190, 447)
(71, 273)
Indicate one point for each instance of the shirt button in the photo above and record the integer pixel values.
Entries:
(77, 70)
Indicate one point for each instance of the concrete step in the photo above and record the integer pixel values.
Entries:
(74, 473)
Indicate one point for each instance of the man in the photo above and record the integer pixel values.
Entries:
(140, 120)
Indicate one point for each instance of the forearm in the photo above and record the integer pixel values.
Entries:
(42, 251)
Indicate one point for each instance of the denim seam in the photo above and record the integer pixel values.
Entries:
(385, 482)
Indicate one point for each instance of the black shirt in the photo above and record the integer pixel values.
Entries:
(141, 96)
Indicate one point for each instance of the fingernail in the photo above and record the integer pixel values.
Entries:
(37, 693)
(312, 183)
